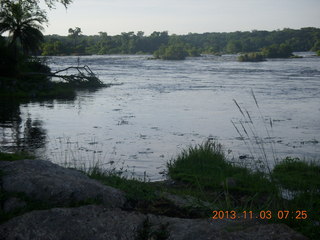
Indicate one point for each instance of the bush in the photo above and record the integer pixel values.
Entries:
(205, 165)
(8, 63)
(318, 53)
(251, 57)
(277, 51)
(295, 174)
(171, 52)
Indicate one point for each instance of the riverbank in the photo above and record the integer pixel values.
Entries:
(33, 190)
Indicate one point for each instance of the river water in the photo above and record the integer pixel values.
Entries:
(157, 108)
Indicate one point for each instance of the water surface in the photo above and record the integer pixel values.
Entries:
(161, 107)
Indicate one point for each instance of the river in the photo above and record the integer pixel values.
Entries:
(158, 108)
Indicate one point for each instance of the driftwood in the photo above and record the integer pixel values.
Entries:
(84, 74)
(84, 77)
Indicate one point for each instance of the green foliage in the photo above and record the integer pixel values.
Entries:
(23, 20)
(251, 57)
(277, 51)
(205, 165)
(134, 188)
(203, 168)
(316, 46)
(14, 156)
(318, 53)
(295, 174)
(171, 52)
(234, 46)
(212, 43)
(8, 61)
(302, 179)
(52, 49)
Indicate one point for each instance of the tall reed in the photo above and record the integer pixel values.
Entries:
(255, 142)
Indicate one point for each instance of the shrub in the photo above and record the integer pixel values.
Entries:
(251, 57)
(294, 174)
(205, 165)
(171, 52)
(277, 51)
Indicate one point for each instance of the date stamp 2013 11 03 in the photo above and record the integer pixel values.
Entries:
(264, 214)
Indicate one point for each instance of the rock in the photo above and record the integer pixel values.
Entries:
(186, 201)
(268, 231)
(97, 222)
(12, 204)
(87, 222)
(57, 186)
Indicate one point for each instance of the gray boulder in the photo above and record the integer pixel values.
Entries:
(13, 204)
(47, 182)
(96, 222)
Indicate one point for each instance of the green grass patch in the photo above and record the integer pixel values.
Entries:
(15, 156)
(205, 165)
(135, 189)
(203, 171)
(294, 174)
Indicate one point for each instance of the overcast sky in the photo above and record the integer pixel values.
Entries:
(183, 16)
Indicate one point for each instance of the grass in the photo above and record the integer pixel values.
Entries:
(302, 179)
(15, 156)
(205, 167)
(298, 182)
(135, 189)
(294, 174)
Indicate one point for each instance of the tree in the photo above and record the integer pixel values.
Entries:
(22, 20)
(277, 51)
(171, 52)
(74, 33)
(49, 3)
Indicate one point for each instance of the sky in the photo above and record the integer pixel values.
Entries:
(182, 16)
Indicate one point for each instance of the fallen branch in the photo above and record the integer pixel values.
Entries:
(84, 77)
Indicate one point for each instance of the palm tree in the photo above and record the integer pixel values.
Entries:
(22, 20)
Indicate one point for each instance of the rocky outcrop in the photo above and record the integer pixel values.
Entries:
(47, 182)
(99, 223)
(43, 181)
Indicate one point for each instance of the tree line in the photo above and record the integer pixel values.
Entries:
(304, 39)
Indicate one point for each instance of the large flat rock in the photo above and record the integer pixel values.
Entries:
(96, 222)
(47, 182)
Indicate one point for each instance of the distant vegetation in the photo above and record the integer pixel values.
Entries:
(274, 51)
(251, 57)
(176, 51)
(278, 43)
(277, 51)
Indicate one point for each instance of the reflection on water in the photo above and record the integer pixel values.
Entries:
(17, 134)
(164, 106)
